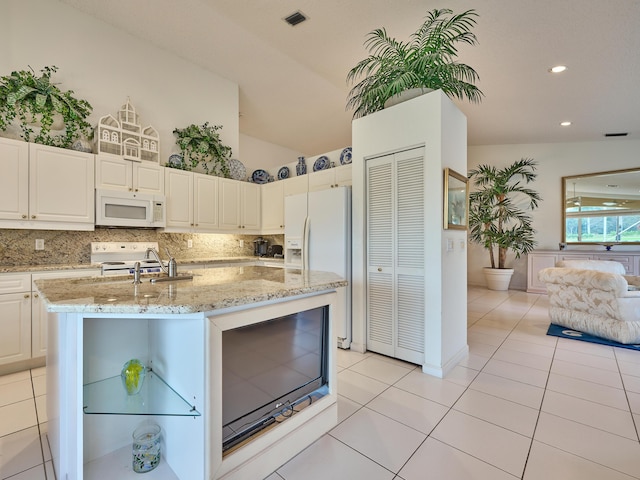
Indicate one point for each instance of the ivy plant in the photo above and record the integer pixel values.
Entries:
(30, 98)
(201, 145)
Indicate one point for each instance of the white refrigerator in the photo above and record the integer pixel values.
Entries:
(317, 236)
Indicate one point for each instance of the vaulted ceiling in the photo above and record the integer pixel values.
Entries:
(292, 80)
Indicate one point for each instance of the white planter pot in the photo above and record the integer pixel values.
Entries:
(498, 278)
(406, 95)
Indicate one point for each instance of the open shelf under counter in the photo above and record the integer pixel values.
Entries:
(108, 397)
(118, 464)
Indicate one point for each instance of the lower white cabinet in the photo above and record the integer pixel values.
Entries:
(23, 315)
(15, 317)
(540, 259)
(39, 310)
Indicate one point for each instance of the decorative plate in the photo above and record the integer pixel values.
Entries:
(175, 160)
(283, 173)
(321, 163)
(260, 176)
(345, 156)
(237, 169)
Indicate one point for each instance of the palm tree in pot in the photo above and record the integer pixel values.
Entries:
(426, 62)
(498, 214)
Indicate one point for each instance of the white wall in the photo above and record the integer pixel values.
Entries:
(431, 120)
(104, 66)
(257, 153)
(556, 160)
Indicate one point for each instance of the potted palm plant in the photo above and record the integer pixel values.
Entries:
(498, 215)
(425, 62)
(201, 144)
(36, 103)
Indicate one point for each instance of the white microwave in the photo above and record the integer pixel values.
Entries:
(115, 208)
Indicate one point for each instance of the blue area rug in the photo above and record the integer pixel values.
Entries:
(562, 332)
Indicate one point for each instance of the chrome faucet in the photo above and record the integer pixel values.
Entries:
(172, 267)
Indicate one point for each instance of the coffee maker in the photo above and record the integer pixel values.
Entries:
(260, 247)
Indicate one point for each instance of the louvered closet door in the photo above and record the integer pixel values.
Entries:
(395, 243)
(380, 234)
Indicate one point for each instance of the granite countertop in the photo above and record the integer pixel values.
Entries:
(88, 266)
(210, 289)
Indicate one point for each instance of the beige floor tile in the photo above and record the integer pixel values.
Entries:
(490, 443)
(599, 416)
(313, 463)
(511, 390)
(528, 375)
(435, 460)
(362, 432)
(381, 370)
(549, 463)
(512, 416)
(17, 416)
(409, 409)
(583, 372)
(583, 358)
(525, 359)
(602, 394)
(19, 451)
(346, 408)
(15, 392)
(431, 388)
(14, 377)
(359, 388)
(601, 447)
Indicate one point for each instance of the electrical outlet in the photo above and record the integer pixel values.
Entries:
(189, 243)
(241, 243)
(39, 243)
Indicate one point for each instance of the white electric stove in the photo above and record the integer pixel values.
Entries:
(119, 258)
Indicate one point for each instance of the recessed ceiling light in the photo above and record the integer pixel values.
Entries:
(558, 69)
(565, 124)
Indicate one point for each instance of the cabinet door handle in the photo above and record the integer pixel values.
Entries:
(24, 216)
(26, 295)
(379, 269)
(35, 295)
(33, 216)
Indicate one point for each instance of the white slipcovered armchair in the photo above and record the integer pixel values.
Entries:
(595, 297)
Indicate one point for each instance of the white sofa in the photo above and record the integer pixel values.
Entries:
(595, 297)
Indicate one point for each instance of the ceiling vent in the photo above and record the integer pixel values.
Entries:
(295, 18)
(620, 134)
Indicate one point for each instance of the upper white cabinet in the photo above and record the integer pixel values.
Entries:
(114, 172)
(330, 178)
(45, 187)
(192, 201)
(239, 206)
(273, 207)
(295, 185)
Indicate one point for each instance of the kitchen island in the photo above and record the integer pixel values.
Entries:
(176, 328)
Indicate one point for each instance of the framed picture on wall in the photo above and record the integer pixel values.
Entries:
(456, 200)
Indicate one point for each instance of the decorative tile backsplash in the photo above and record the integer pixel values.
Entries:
(17, 247)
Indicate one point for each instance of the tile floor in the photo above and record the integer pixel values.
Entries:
(522, 406)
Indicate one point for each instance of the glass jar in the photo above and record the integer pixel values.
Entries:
(146, 447)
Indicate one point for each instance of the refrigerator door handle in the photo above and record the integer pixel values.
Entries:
(305, 245)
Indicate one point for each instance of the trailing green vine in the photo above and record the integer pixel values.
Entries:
(31, 98)
(201, 144)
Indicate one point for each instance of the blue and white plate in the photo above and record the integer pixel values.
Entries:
(283, 173)
(260, 176)
(345, 156)
(321, 163)
(237, 170)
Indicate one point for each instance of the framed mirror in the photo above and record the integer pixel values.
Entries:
(602, 208)
(456, 200)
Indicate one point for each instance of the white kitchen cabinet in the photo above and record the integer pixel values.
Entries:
(273, 207)
(295, 185)
(239, 206)
(45, 187)
(15, 317)
(330, 178)
(113, 172)
(39, 309)
(192, 201)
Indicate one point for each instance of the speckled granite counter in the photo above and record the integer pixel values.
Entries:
(210, 289)
(185, 262)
